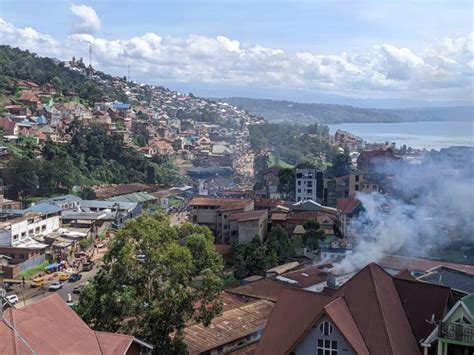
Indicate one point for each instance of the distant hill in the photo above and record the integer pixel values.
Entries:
(304, 113)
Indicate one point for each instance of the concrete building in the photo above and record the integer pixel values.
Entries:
(215, 212)
(245, 226)
(309, 185)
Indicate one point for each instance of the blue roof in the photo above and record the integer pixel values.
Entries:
(41, 120)
(121, 106)
(44, 208)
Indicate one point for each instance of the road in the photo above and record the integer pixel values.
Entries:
(28, 295)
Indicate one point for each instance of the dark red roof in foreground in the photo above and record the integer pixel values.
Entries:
(50, 326)
(373, 311)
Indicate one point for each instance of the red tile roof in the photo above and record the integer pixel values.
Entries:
(50, 317)
(247, 216)
(308, 276)
(229, 327)
(211, 201)
(266, 289)
(347, 205)
(369, 312)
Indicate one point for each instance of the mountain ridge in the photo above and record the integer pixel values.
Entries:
(306, 113)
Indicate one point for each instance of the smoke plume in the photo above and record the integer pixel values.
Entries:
(428, 207)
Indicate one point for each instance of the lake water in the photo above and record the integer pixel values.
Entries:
(429, 135)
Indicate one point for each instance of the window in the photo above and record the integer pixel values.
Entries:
(327, 347)
(22, 256)
(15, 237)
(299, 182)
(43, 228)
(23, 234)
(309, 184)
(357, 178)
(31, 231)
(325, 328)
(37, 229)
(357, 187)
(310, 191)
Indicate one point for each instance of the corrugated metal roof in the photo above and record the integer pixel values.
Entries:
(137, 197)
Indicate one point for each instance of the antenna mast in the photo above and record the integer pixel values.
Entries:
(128, 75)
(90, 59)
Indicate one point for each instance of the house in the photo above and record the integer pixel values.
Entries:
(29, 330)
(27, 85)
(233, 330)
(347, 186)
(455, 333)
(29, 98)
(371, 161)
(245, 226)
(347, 210)
(215, 213)
(64, 202)
(9, 127)
(372, 313)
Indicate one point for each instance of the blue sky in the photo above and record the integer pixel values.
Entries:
(365, 40)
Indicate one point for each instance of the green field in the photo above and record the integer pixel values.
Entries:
(275, 161)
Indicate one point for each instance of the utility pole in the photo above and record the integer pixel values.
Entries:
(128, 75)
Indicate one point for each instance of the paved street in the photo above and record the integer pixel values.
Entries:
(28, 295)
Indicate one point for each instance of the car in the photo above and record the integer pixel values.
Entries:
(75, 277)
(79, 288)
(13, 299)
(56, 285)
(37, 282)
(64, 277)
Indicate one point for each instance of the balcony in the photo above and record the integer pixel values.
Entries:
(456, 331)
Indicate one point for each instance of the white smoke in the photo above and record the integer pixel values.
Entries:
(431, 206)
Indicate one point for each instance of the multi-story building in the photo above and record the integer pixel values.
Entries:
(455, 333)
(309, 185)
(347, 186)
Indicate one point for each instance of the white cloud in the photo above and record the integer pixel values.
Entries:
(88, 21)
(442, 71)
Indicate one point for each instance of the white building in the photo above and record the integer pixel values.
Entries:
(18, 232)
(305, 185)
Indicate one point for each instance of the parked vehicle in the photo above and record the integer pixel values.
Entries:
(88, 266)
(99, 245)
(64, 277)
(37, 282)
(13, 299)
(75, 277)
(79, 288)
(56, 285)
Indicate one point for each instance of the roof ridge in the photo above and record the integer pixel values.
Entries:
(83, 326)
(379, 304)
(356, 323)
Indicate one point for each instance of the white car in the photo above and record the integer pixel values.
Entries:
(56, 285)
(13, 299)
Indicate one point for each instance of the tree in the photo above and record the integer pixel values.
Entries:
(153, 298)
(312, 235)
(341, 165)
(253, 258)
(279, 242)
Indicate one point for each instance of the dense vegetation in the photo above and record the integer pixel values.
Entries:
(293, 144)
(16, 64)
(92, 157)
(176, 279)
(307, 113)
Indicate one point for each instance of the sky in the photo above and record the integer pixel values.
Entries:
(405, 53)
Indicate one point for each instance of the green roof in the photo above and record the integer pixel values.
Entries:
(469, 302)
(137, 197)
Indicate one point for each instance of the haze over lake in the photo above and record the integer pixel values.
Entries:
(429, 135)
